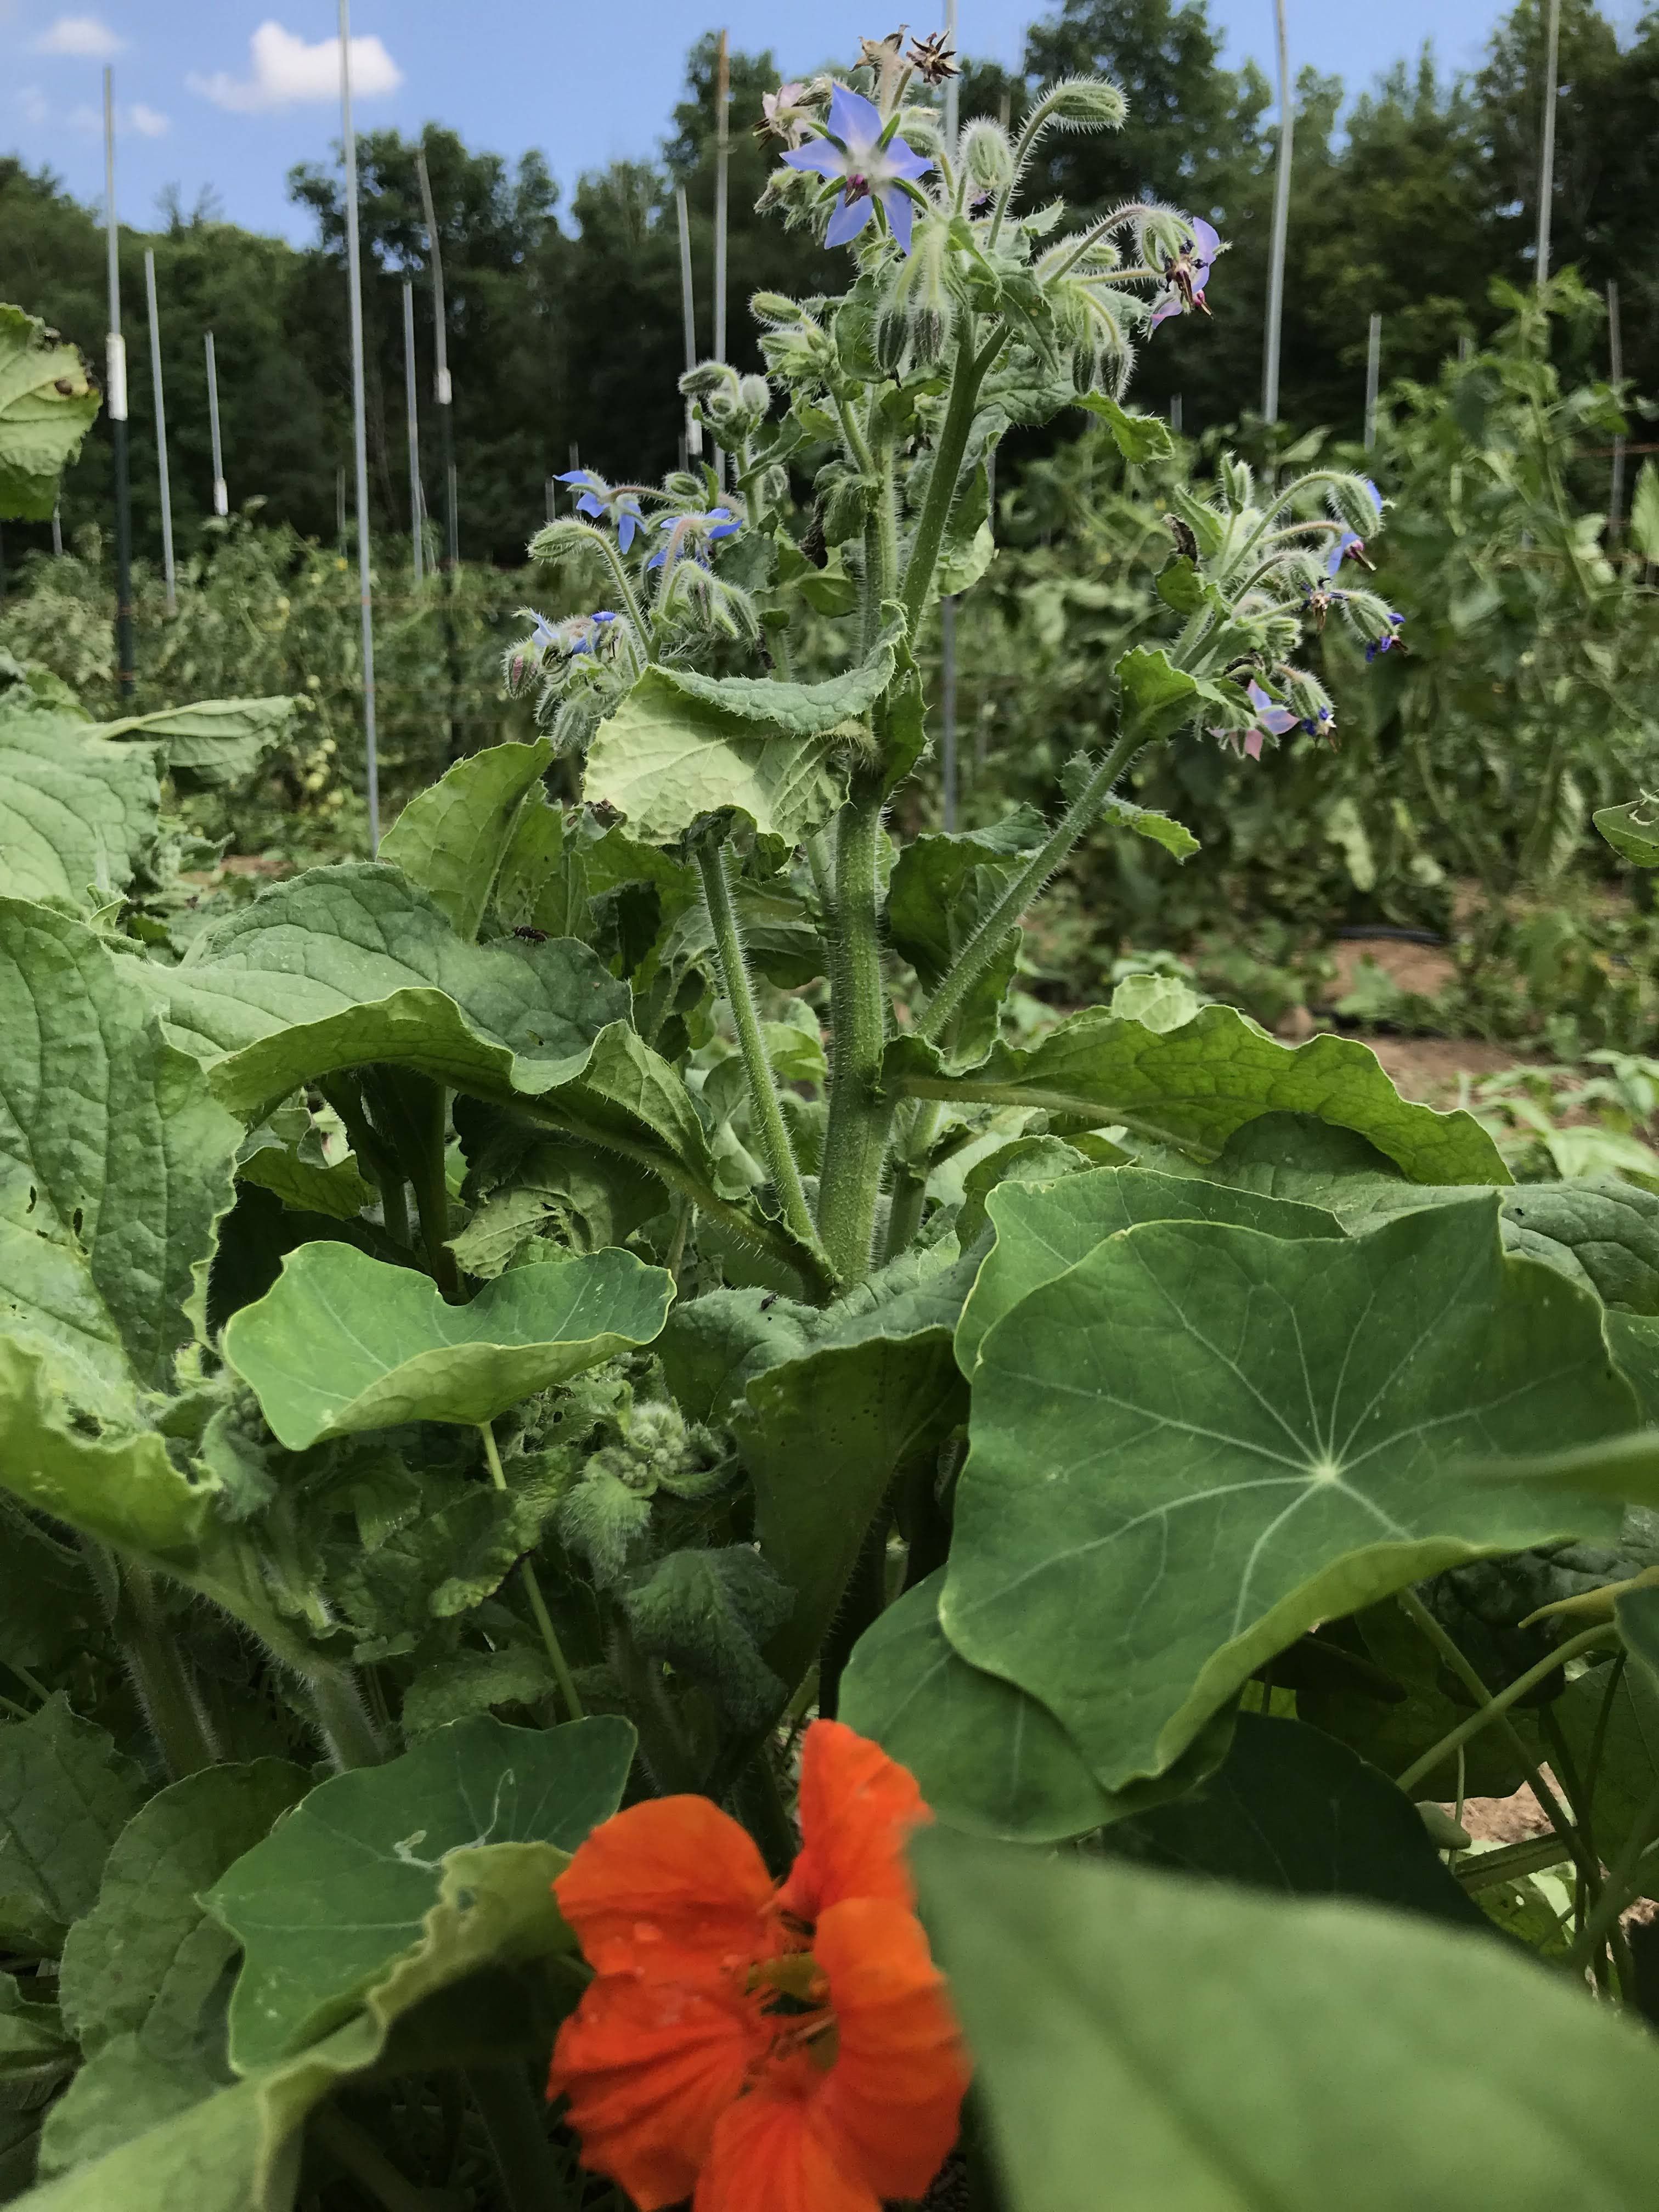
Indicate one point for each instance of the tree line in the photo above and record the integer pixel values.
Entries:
(565, 323)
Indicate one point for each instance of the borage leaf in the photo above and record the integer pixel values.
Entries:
(1192, 1087)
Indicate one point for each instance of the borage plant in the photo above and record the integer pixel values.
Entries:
(469, 1284)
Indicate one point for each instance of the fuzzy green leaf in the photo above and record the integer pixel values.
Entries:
(1200, 1440)
(113, 1157)
(452, 839)
(47, 404)
(342, 1343)
(1214, 2051)
(708, 1614)
(474, 1682)
(147, 1958)
(76, 813)
(681, 745)
(65, 1794)
(212, 742)
(1193, 1086)
(82, 1455)
(325, 1906)
(1139, 438)
(349, 965)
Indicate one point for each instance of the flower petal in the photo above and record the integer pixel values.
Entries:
(901, 214)
(891, 2102)
(858, 1809)
(817, 154)
(848, 219)
(1253, 744)
(1208, 238)
(1167, 306)
(649, 2070)
(854, 119)
(771, 2153)
(903, 161)
(673, 1889)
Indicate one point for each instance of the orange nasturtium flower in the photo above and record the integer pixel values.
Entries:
(773, 2049)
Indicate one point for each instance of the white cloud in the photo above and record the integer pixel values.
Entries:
(287, 71)
(83, 37)
(34, 106)
(148, 122)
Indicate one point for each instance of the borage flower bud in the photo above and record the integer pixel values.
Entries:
(1309, 699)
(1086, 103)
(986, 156)
(919, 310)
(1237, 481)
(1355, 502)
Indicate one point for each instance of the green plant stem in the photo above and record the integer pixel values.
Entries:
(517, 2137)
(1620, 1886)
(431, 1188)
(663, 1747)
(764, 1236)
(532, 1590)
(342, 1717)
(988, 935)
(1493, 1706)
(855, 1139)
(346, 1098)
(714, 863)
(367, 2163)
(966, 380)
(759, 1803)
(162, 1677)
(1470, 1678)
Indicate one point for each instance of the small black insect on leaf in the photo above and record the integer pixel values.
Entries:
(531, 936)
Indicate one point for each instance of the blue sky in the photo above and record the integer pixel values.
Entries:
(228, 93)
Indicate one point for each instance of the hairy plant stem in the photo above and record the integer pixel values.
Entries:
(1470, 1677)
(966, 380)
(431, 1188)
(759, 1803)
(342, 1717)
(162, 1677)
(855, 1141)
(517, 2137)
(532, 1590)
(981, 948)
(714, 863)
(763, 1236)
(344, 1094)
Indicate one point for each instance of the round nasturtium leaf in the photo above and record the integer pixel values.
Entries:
(341, 1343)
(1200, 1441)
(342, 1887)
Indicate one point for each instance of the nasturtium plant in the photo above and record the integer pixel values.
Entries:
(599, 1346)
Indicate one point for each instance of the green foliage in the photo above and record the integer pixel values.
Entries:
(46, 407)
(528, 1319)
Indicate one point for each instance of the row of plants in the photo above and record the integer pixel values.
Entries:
(610, 1490)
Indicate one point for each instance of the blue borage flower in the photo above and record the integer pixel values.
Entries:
(1187, 274)
(1386, 644)
(690, 536)
(1271, 720)
(872, 165)
(1350, 546)
(578, 634)
(599, 501)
